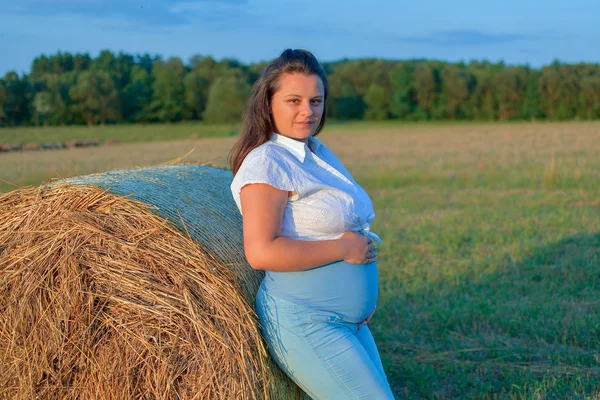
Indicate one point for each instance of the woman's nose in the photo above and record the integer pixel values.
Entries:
(307, 109)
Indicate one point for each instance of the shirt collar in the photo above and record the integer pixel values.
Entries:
(296, 147)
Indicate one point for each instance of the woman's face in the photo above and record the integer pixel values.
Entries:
(297, 106)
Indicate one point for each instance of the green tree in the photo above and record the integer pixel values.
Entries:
(58, 87)
(510, 87)
(549, 87)
(205, 67)
(195, 95)
(2, 102)
(119, 68)
(360, 74)
(403, 96)
(146, 61)
(82, 62)
(590, 95)
(254, 71)
(377, 106)
(349, 104)
(425, 82)
(17, 99)
(40, 67)
(457, 84)
(483, 101)
(95, 97)
(136, 97)
(59, 63)
(105, 62)
(343, 101)
(227, 99)
(569, 92)
(43, 106)
(62, 63)
(122, 69)
(168, 97)
(531, 108)
(150, 89)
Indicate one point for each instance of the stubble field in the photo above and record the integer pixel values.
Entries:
(490, 268)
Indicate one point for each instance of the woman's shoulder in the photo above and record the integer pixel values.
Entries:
(266, 158)
(264, 164)
(268, 153)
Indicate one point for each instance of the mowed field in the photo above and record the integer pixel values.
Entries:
(490, 268)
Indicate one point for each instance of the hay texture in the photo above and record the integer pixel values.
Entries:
(130, 285)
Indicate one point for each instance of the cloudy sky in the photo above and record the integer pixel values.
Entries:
(533, 32)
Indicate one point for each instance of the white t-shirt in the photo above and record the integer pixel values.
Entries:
(328, 202)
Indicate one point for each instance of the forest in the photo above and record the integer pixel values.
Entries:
(77, 89)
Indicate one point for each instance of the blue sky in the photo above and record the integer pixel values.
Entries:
(533, 32)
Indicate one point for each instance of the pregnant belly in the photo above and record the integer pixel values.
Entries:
(343, 288)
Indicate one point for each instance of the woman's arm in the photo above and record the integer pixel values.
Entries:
(262, 210)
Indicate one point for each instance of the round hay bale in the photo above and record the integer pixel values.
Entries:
(130, 285)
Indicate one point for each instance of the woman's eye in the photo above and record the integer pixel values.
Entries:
(317, 101)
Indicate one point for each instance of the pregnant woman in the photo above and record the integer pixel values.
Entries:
(307, 224)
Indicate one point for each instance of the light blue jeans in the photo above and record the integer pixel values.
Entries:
(329, 356)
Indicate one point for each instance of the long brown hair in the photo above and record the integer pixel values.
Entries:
(257, 122)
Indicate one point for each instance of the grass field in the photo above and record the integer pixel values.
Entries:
(118, 133)
(490, 268)
(161, 132)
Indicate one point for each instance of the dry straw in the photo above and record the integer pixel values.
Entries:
(101, 298)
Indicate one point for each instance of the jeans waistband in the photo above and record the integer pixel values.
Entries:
(326, 315)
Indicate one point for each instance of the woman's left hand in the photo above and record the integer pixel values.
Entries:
(371, 255)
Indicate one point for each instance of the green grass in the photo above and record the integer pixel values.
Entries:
(490, 293)
(132, 133)
(490, 268)
(119, 133)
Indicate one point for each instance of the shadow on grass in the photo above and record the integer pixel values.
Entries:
(529, 329)
(580, 250)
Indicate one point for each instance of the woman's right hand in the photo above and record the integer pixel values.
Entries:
(358, 248)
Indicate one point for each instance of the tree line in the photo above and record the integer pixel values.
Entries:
(65, 89)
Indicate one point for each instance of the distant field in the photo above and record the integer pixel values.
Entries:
(118, 133)
(490, 268)
(163, 132)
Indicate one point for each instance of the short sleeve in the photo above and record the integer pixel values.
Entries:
(261, 167)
